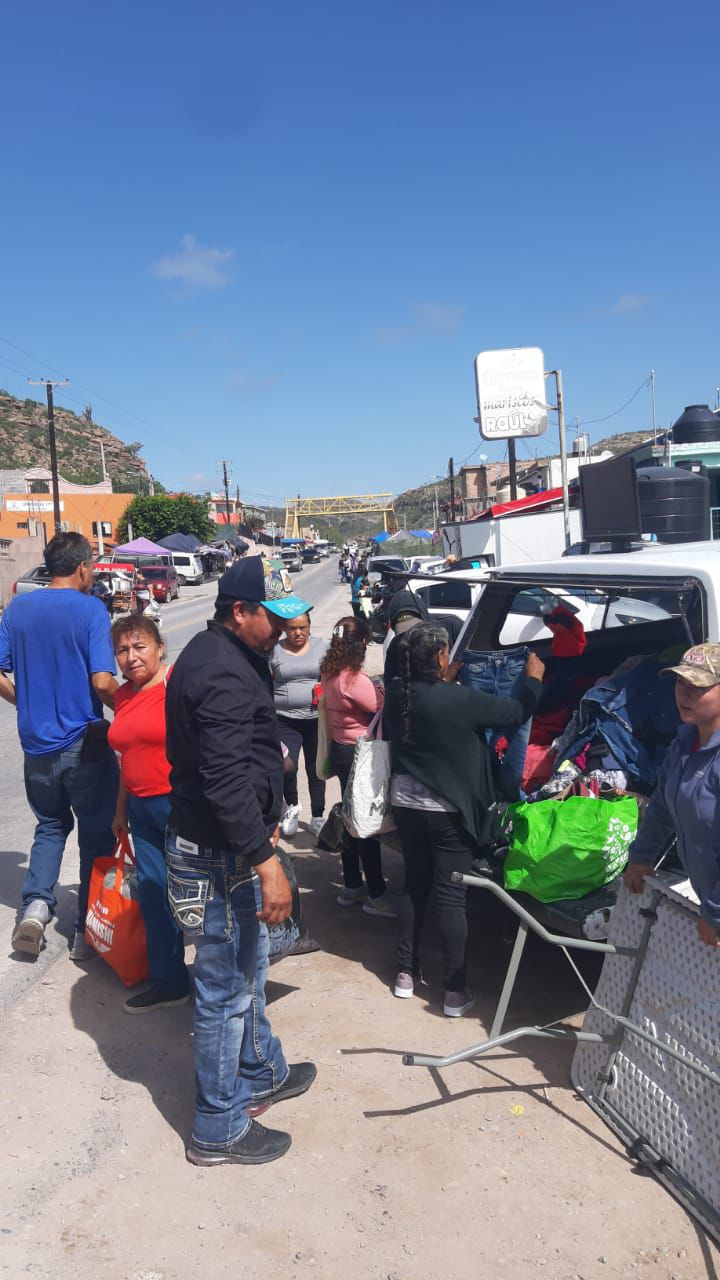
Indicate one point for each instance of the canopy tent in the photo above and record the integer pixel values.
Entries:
(533, 502)
(379, 537)
(409, 535)
(180, 542)
(141, 547)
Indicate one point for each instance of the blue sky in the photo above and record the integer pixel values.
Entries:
(280, 234)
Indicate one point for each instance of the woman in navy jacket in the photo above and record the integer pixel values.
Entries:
(685, 800)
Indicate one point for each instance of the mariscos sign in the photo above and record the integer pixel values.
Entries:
(511, 393)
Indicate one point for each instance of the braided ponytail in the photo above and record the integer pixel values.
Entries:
(406, 695)
(419, 649)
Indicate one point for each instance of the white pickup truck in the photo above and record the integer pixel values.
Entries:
(639, 603)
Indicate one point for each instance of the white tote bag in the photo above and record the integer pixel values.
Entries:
(366, 803)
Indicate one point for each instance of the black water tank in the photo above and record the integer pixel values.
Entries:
(695, 424)
(674, 504)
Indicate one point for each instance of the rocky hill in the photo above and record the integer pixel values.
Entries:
(625, 440)
(24, 443)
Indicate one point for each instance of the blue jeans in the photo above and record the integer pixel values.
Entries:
(502, 673)
(57, 786)
(214, 897)
(148, 816)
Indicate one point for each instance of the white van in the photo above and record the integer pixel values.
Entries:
(189, 568)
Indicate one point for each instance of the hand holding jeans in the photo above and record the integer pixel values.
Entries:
(534, 667)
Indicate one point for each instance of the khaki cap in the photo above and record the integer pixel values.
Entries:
(699, 666)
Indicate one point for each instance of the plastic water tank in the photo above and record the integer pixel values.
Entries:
(695, 424)
(674, 504)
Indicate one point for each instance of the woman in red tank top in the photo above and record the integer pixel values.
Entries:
(137, 734)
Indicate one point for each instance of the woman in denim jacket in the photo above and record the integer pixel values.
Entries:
(685, 800)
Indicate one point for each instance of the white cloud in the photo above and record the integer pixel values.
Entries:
(442, 318)
(196, 265)
(629, 302)
(438, 317)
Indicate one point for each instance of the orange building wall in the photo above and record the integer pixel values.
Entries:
(77, 510)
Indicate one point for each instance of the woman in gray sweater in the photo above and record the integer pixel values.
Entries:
(295, 669)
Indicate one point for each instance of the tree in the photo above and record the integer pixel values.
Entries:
(87, 414)
(159, 516)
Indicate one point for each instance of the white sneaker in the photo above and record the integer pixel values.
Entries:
(291, 820)
(30, 932)
(316, 825)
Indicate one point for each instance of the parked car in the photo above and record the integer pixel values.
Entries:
(456, 593)
(292, 559)
(188, 568)
(651, 601)
(381, 564)
(426, 564)
(30, 581)
(163, 581)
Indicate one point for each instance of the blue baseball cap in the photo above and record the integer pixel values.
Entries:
(257, 583)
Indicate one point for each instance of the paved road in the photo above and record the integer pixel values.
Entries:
(181, 620)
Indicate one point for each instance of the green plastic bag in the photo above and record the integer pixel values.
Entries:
(566, 848)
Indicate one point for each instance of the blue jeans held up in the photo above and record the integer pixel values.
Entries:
(238, 1061)
(502, 673)
(59, 785)
(148, 817)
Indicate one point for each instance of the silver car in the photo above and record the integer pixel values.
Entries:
(30, 581)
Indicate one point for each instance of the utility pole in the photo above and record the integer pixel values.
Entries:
(512, 463)
(451, 476)
(237, 505)
(557, 374)
(102, 459)
(652, 394)
(48, 385)
(227, 492)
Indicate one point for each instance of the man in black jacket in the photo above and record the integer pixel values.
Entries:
(225, 884)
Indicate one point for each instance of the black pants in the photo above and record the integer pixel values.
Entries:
(356, 853)
(433, 846)
(307, 732)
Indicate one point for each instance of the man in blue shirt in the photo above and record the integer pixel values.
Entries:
(56, 642)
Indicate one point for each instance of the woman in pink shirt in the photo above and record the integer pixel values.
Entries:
(351, 700)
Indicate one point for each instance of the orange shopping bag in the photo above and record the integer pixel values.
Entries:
(114, 924)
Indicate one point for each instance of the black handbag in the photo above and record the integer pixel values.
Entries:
(332, 834)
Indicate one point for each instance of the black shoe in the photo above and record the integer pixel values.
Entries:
(299, 1078)
(155, 997)
(258, 1146)
(303, 947)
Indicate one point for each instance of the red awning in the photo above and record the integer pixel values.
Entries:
(534, 502)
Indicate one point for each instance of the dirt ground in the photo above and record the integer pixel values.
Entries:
(488, 1169)
(395, 1173)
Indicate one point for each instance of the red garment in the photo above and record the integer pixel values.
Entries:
(549, 725)
(539, 764)
(138, 735)
(568, 633)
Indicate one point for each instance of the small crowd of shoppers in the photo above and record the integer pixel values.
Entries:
(203, 793)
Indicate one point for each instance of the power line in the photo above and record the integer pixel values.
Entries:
(591, 422)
